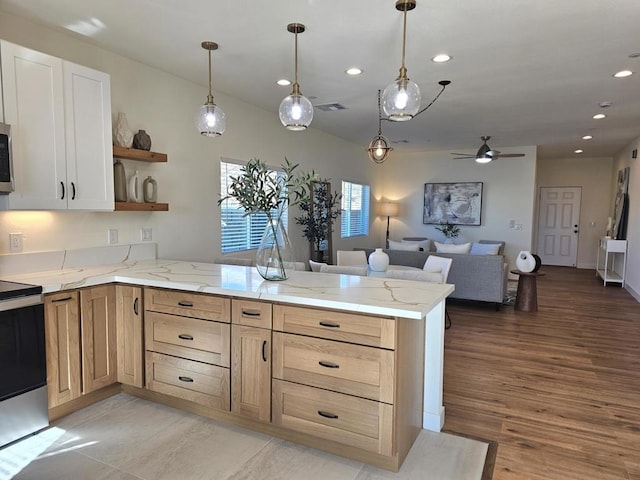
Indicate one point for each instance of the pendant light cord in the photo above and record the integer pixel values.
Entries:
(379, 116)
(403, 70)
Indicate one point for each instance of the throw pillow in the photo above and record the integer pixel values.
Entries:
(452, 248)
(423, 245)
(412, 247)
(485, 249)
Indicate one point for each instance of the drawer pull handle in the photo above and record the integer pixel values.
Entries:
(264, 350)
(182, 303)
(328, 364)
(185, 379)
(250, 313)
(185, 336)
(327, 415)
(58, 300)
(330, 324)
(135, 305)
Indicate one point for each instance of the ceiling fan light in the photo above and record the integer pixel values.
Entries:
(296, 112)
(211, 120)
(379, 149)
(484, 159)
(401, 100)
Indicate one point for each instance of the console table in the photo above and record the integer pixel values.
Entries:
(527, 295)
(610, 253)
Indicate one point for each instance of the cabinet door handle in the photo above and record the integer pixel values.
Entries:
(73, 191)
(184, 303)
(185, 336)
(327, 415)
(264, 350)
(62, 185)
(135, 306)
(58, 300)
(330, 324)
(250, 313)
(328, 364)
(185, 379)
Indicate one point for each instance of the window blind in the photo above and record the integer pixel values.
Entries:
(355, 210)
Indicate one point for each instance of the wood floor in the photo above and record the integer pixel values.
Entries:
(559, 389)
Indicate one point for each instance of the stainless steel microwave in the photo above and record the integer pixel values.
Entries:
(6, 159)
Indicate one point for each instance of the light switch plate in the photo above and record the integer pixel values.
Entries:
(146, 234)
(112, 236)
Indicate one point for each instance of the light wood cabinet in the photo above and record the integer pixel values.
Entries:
(61, 118)
(129, 331)
(98, 321)
(62, 332)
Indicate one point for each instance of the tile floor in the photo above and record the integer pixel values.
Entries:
(127, 438)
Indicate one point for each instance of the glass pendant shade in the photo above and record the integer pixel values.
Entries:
(379, 149)
(211, 120)
(401, 100)
(296, 112)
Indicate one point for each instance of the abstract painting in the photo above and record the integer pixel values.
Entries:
(454, 203)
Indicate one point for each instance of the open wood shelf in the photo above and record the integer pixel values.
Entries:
(139, 155)
(141, 207)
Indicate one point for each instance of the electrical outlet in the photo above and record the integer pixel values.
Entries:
(518, 226)
(146, 234)
(15, 242)
(112, 236)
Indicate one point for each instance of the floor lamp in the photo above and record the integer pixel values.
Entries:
(388, 209)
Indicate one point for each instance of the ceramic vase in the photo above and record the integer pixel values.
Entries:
(275, 258)
(135, 189)
(122, 134)
(525, 262)
(119, 181)
(378, 260)
(150, 190)
(142, 140)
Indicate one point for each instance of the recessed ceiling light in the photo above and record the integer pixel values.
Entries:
(353, 71)
(283, 82)
(578, 151)
(587, 137)
(441, 58)
(623, 73)
(598, 116)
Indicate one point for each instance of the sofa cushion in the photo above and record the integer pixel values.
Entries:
(452, 248)
(485, 249)
(409, 246)
(423, 244)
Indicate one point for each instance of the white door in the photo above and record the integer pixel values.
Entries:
(559, 225)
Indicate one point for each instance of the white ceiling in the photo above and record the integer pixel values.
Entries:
(525, 72)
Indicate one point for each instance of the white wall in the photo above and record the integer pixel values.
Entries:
(508, 194)
(594, 176)
(165, 106)
(622, 160)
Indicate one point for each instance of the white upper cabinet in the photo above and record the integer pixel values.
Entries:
(61, 132)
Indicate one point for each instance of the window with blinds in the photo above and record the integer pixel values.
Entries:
(355, 210)
(239, 232)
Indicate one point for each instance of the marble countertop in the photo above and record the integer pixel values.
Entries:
(382, 296)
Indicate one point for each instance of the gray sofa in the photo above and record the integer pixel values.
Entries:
(476, 277)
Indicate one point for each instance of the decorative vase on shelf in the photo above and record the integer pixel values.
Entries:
(142, 140)
(378, 260)
(150, 190)
(119, 181)
(527, 262)
(135, 190)
(275, 259)
(122, 134)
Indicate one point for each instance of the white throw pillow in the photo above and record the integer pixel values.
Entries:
(412, 247)
(423, 245)
(485, 248)
(452, 248)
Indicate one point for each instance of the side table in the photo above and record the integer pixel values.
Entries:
(527, 295)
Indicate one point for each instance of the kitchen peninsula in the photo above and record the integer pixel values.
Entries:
(333, 345)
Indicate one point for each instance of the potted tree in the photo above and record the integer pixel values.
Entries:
(450, 231)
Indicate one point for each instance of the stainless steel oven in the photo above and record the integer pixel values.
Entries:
(23, 375)
(6, 159)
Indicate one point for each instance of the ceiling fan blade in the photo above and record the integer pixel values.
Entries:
(462, 154)
(508, 155)
(466, 157)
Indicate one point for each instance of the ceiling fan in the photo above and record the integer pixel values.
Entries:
(486, 154)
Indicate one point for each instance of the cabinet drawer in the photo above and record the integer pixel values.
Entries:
(251, 313)
(194, 381)
(362, 371)
(194, 305)
(334, 416)
(199, 340)
(346, 327)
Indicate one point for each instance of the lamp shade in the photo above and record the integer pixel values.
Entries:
(388, 209)
(401, 100)
(296, 112)
(211, 120)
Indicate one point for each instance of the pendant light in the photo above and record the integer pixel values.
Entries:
(379, 148)
(401, 99)
(211, 119)
(296, 111)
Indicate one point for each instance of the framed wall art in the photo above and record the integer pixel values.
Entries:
(454, 203)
